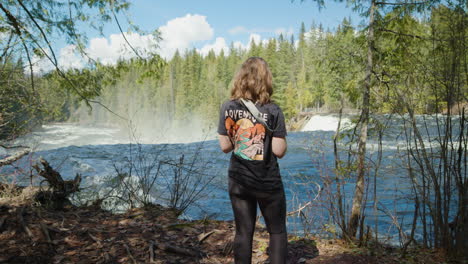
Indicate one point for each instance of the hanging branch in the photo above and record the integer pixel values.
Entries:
(405, 3)
(122, 33)
(41, 31)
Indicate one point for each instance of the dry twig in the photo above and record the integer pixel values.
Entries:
(299, 210)
(204, 236)
(151, 251)
(2, 221)
(177, 250)
(95, 239)
(46, 232)
(23, 223)
(130, 254)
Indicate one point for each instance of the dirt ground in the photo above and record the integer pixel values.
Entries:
(154, 235)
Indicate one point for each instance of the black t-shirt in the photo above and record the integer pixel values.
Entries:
(253, 163)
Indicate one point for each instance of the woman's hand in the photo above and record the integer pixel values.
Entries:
(279, 146)
(225, 143)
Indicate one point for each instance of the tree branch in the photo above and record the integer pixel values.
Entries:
(404, 3)
(40, 30)
(12, 147)
(121, 32)
(13, 21)
(407, 35)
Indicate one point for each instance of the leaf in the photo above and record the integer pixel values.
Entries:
(38, 52)
(72, 242)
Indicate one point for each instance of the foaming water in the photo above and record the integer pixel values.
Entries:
(59, 135)
(325, 123)
(68, 134)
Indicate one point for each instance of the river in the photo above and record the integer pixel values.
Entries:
(96, 151)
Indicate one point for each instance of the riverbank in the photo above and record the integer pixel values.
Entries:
(32, 234)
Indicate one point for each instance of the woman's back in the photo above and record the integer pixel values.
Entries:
(253, 160)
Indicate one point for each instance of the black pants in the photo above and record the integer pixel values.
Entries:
(273, 208)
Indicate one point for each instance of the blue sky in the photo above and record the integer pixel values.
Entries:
(204, 25)
(262, 16)
(254, 14)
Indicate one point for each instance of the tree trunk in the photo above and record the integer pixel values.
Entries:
(172, 106)
(359, 188)
(338, 175)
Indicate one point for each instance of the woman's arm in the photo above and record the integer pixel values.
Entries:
(225, 143)
(279, 146)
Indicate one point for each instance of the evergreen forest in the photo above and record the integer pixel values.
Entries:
(317, 70)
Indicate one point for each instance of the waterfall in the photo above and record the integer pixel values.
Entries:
(325, 123)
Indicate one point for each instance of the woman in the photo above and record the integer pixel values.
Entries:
(254, 176)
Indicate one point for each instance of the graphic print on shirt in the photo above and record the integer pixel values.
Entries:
(247, 135)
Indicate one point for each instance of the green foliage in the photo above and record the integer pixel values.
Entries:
(14, 95)
(28, 28)
(330, 228)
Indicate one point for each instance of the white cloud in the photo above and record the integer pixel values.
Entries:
(238, 45)
(109, 51)
(253, 37)
(220, 44)
(105, 50)
(69, 58)
(180, 34)
(41, 65)
(217, 46)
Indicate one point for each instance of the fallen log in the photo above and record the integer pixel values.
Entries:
(9, 160)
(178, 250)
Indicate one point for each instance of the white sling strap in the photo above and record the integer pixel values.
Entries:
(256, 113)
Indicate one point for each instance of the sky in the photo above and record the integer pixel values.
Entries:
(201, 24)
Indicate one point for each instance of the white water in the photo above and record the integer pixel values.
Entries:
(325, 123)
(60, 135)
(55, 136)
